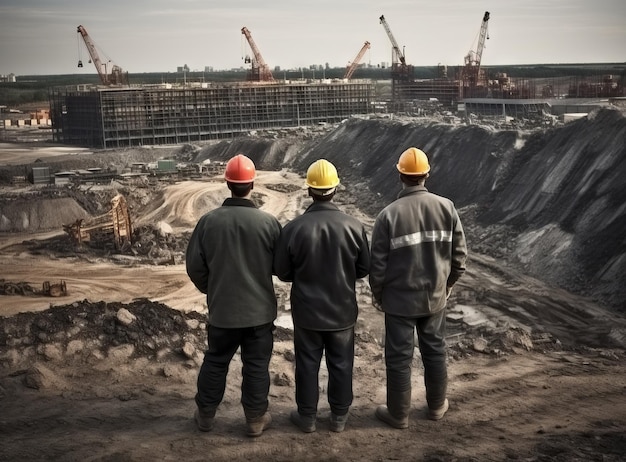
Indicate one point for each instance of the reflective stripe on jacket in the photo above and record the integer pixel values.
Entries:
(418, 248)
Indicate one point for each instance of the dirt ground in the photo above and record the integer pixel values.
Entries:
(108, 372)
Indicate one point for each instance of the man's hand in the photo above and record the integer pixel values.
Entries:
(376, 304)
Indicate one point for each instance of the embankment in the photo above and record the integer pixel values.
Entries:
(552, 202)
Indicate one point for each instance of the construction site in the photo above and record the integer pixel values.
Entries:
(102, 333)
(117, 114)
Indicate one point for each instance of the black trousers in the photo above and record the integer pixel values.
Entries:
(309, 348)
(399, 345)
(256, 351)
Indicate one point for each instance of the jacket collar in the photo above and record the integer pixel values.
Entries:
(319, 205)
(411, 190)
(238, 201)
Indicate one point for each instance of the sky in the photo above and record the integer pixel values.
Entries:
(39, 37)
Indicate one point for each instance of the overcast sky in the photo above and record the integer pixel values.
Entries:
(38, 37)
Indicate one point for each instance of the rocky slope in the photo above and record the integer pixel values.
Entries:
(551, 202)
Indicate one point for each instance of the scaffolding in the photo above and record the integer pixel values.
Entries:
(105, 117)
(406, 93)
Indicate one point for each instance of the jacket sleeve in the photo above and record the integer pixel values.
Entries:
(379, 257)
(282, 259)
(197, 269)
(459, 252)
(363, 261)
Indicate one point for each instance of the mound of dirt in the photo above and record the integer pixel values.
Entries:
(27, 215)
(111, 381)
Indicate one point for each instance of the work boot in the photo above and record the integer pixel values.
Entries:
(306, 423)
(396, 413)
(338, 422)
(256, 425)
(204, 421)
(436, 414)
(382, 412)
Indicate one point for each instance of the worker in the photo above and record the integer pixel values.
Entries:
(229, 258)
(323, 252)
(418, 254)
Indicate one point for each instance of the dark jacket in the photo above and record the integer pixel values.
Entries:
(323, 252)
(418, 248)
(229, 258)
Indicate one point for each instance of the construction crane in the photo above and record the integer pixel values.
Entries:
(396, 53)
(260, 71)
(471, 70)
(116, 76)
(355, 62)
(399, 69)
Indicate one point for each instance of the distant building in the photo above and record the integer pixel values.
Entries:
(7, 78)
(150, 115)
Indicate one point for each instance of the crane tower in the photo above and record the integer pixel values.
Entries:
(260, 71)
(112, 76)
(471, 70)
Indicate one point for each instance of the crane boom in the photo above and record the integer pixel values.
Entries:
(397, 54)
(355, 62)
(117, 75)
(260, 70)
(93, 53)
(481, 40)
(473, 58)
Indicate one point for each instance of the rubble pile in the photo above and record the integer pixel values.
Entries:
(91, 331)
(150, 245)
(16, 288)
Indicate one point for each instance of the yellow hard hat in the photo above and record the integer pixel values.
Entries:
(322, 175)
(413, 161)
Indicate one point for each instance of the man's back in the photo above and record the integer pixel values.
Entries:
(323, 252)
(230, 258)
(418, 246)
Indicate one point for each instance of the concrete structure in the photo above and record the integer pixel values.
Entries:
(405, 92)
(111, 117)
(528, 108)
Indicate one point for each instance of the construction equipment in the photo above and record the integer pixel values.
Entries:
(23, 288)
(471, 70)
(55, 289)
(355, 62)
(260, 71)
(116, 76)
(399, 68)
(112, 227)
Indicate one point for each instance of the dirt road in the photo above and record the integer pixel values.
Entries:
(535, 373)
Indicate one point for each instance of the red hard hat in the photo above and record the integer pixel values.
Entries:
(240, 169)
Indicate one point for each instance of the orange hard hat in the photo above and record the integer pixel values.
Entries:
(414, 162)
(240, 169)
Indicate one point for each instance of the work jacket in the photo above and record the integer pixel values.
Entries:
(229, 258)
(323, 252)
(418, 249)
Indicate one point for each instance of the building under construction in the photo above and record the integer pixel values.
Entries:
(111, 117)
